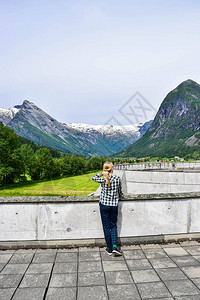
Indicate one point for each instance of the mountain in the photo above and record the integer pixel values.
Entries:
(175, 129)
(31, 122)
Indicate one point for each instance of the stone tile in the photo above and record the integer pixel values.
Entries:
(133, 254)
(197, 257)
(10, 281)
(168, 298)
(197, 282)
(105, 256)
(90, 266)
(151, 246)
(153, 290)
(21, 258)
(46, 251)
(186, 261)
(190, 297)
(92, 293)
(63, 280)
(61, 294)
(162, 263)
(176, 251)
(74, 250)
(25, 251)
(44, 258)
(155, 253)
(29, 294)
(138, 264)
(70, 267)
(102, 249)
(89, 249)
(118, 277)
(119, 292)
(192, 271)
(171, 245)
(194, 250)
(2, 266)
(7, 251)
(66, 257)
(141, 276)
(171, 274)
(39, 268)
(15, 269)
(130, 247)
(6, 294)
(182, 287)
(89, 256)
(92, 278)
(35, 280)
(4, 258)
(114, 266)
(189, 243)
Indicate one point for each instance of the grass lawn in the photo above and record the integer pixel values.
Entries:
(75, 185)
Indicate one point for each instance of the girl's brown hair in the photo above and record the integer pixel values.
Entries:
(107, 167)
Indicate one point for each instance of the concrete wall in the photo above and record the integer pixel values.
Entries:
(146, 182)
(147, 178)
(26, 220)
(157, 181)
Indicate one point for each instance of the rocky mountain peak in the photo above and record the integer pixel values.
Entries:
(188, 83)
(28, 104)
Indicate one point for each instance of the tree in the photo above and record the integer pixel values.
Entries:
(42, 167)
(57, 167)
(27, 155)
(66, 168)
(10, 159)
(94, 163)
(78, 165)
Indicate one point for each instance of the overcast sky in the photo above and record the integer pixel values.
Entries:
(81, 61)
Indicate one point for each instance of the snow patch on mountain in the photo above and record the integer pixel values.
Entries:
(107, 129)
(7, 114)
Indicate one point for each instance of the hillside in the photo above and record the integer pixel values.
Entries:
(175, 129)
(31, 122)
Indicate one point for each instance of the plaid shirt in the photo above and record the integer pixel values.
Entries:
(109, 195)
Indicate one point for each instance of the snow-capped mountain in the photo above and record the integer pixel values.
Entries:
(31, 122)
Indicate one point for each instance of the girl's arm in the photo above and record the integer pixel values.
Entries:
(98, 178)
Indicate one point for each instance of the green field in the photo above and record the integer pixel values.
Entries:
(74, 185)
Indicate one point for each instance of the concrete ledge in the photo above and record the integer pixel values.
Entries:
(136, 240)
(81, 199)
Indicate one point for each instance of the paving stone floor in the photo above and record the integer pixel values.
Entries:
(170, 271)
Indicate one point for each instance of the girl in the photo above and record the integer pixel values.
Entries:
(111, 192)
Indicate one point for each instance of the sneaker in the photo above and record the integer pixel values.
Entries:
(116, 252)
(109, 251)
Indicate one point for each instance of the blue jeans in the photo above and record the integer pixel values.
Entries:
(109, 222)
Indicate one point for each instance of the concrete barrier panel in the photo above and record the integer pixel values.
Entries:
(18, 222)
(69, 221)
(148, 188)
(138, 216)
